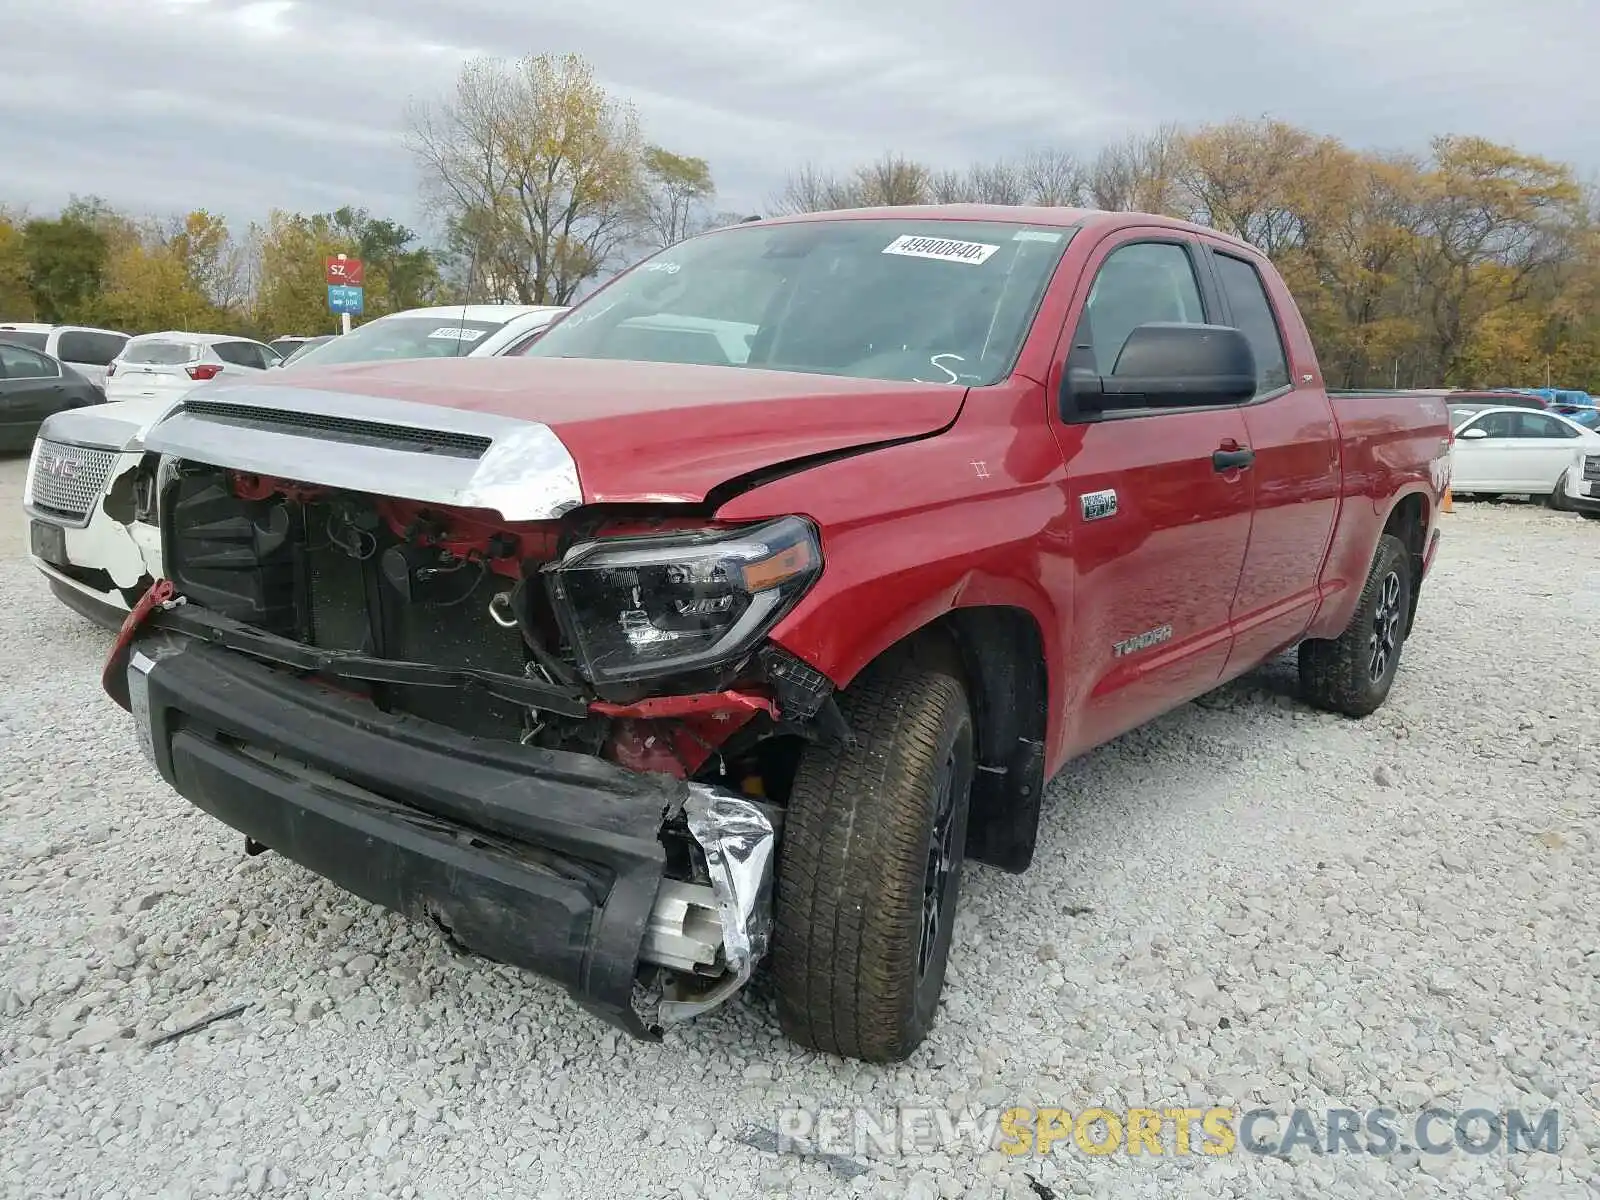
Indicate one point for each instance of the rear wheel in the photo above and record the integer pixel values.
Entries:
(1352, 673)
(869, 868)
(1590, 516)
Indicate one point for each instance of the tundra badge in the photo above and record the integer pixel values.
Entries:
(1142, 641)
(1097, 505)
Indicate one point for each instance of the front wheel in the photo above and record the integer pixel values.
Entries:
(869, 867)
(1558, 498)
(1589, 515)
(1352, 673)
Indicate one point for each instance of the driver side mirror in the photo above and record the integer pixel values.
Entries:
(1167, 365)
(1474, 433)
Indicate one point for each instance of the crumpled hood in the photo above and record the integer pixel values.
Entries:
(638, 431)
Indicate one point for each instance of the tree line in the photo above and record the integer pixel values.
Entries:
(92, 265)
(1472, 264)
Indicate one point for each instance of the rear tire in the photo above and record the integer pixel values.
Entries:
(869, 867)
(1587, 515)
(1352, 674)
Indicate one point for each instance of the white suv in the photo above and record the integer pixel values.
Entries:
(158, 366)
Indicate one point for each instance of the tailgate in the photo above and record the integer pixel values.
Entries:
(154, 366)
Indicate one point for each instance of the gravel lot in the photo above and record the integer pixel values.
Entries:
(1246, 902)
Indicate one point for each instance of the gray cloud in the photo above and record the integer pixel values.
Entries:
(243, 105)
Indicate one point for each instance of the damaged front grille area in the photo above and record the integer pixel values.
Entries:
(638, 640)
(330, 572)
(350, 430)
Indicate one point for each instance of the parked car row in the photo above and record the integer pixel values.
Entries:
(99, 557)
(33, 385)
(86, 350)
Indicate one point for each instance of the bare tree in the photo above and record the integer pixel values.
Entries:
(537, 173)
(996, 183)
(1140, 174)
(813, 189)
(1051, 179)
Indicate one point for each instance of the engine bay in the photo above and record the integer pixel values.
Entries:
(635, 637)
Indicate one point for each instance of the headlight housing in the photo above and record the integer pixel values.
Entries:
(666, 604)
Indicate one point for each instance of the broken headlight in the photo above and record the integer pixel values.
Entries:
(638, 607)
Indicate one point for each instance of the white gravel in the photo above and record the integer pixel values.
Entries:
(1282, 907)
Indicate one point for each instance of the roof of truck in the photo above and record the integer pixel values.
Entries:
(1019, 214)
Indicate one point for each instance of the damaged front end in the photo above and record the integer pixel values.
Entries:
(564, 740)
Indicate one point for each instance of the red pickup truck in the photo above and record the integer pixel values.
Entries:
(773, 584)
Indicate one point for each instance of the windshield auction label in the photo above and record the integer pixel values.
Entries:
(457, 335)
(942, 249)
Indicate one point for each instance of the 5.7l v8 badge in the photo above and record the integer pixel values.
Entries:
(1097, 506)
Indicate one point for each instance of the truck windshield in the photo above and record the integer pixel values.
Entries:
(915, 300)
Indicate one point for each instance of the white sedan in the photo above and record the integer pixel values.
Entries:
(1518, 451)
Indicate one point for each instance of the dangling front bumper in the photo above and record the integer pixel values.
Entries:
(549, 861)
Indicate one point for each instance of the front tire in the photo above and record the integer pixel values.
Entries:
(1558, 498)
(869, 867)
(1352, 673)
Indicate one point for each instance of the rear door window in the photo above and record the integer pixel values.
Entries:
(161, 353)
(1253, 317)
(25, 337)
(1538, 425)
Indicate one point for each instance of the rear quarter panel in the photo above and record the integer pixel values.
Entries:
(1391, 447)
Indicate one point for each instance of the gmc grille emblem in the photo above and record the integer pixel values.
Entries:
(60, 466)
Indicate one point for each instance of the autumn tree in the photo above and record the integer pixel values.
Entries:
(16, 300)
(213, 262)
(1496, 221)
(537, 174)
(147, 286)
(292, 290)
(66, 260)
(678, 196)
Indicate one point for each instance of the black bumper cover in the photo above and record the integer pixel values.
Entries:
(544, 860)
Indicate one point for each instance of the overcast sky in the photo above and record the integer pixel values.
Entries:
(243, 105)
